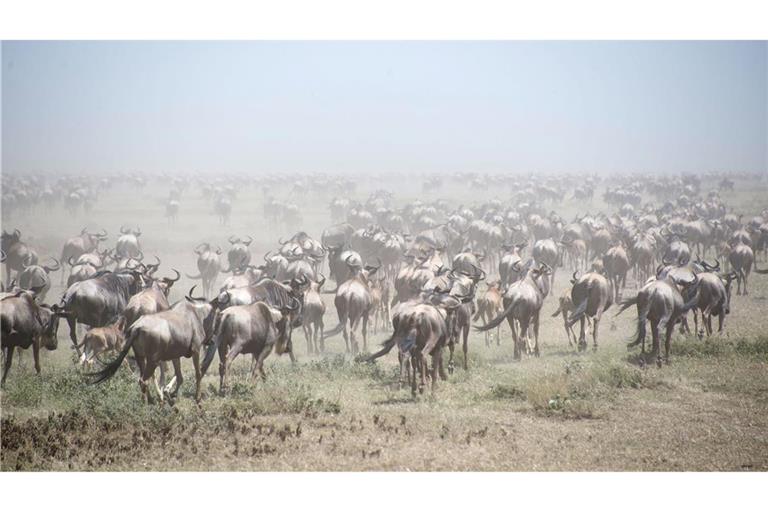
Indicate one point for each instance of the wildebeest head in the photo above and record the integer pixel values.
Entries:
(166, 283)
(8, 239)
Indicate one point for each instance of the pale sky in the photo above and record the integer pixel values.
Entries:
(375, 106)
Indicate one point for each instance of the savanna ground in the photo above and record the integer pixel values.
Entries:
(707, 410)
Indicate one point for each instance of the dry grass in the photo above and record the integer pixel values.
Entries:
(707, 410)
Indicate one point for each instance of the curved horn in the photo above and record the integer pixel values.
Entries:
(233, 240)
(137, 232)
(249, 240)
(321, 282)
(192, 297)
(196, 249)
(280, 241)
(479, 273)
(140, 256)
(102, 233)
(55, 268)
(178, 276)
(124, 229)
(218, 249)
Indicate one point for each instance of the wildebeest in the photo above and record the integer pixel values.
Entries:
(100, 340)
(353, 306)
(208, 265)
(17, 254)
(25, 323)
(128, 244)
(661, 303)
(166, 336)
(488, 306)
(591, 295)
(36, 276)
(741, 259)
(312, 313)
(616, 266)
(250, 329)
(84, 243)
(522, 306)
(238, 256)
(96, 301)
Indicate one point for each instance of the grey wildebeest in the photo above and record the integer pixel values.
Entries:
(36, 276)
(616, 266)
(250, 329)
(128, 243)
(353, 305)
(591, 295)
(522, 305)
(84, 243)
(96, 301)
(25, 323)
(713, 297)
(741, 258)
(239, 256)
(661, 303)
(565, 308)
(208, 265)
(510, 256)
(166, 336)
(17, 254)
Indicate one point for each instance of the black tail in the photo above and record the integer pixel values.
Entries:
(626, 303)
(579, 312)
(496, 321)
(387, 345)
(111, 368)
(559, 310)
(213, 347)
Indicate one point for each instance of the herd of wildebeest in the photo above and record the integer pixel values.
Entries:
(429, 270)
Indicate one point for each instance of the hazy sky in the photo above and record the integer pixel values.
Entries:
(376, 106)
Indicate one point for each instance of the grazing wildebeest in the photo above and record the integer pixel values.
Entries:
(36, 276)
(312, 314)
(84, 243)
(209, 266)
(250, 329)
(591, 295)
(522, 306)
(25, 323)
(166, 336)
(353, 305)
(661, 303)
(96, 301)
(102, 339)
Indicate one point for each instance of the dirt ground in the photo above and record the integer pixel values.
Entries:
(707, 410)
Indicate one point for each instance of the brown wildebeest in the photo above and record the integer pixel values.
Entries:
(741, 259)
(25, 323)
(312, 315)
(592, 294)
(253, 329)
(488, 306)
(166, 336)
(209, 266)
(102, 339)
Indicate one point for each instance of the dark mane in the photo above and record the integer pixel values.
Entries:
(271, 292)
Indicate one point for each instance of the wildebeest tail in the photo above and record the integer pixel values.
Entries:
(387, 345)
(108, 371)
(642, 315)
(578, 312)
(198, 276)
(213, 346)
(626, 303)
(558, 311)
(336, 330)
(496, 321)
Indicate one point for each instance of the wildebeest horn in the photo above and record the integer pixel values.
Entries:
(346, 260)
(140, 256)
(233, 240)
(294, 300)
(84, 231)
(55, 268)
(103, 233)
(178, 276)
(197, 251)
(665, 262)
(2, 256)
(137, 232)
(280, 241)
(479, 273)
(191, 297)
(17, 233)
(218, 249)
(124, 230)
(249, 240)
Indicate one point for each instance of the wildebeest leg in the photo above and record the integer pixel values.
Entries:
(365, 332)
(720, 321)
(319, 337)
(667, 339)
(198, 373)
(345, 332)
(465, 346)
(595, 323)
(568, 330)
(72, 323)
(746, 281)
(147, 375)
(308, 335)
(177, 379)
(525, 335)
(436, 356)
(36, 355)
(583, 333)
(260, 362)
(234, 350)
(8, 360)
(451, 348)
(536, 334)
(515, 343)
